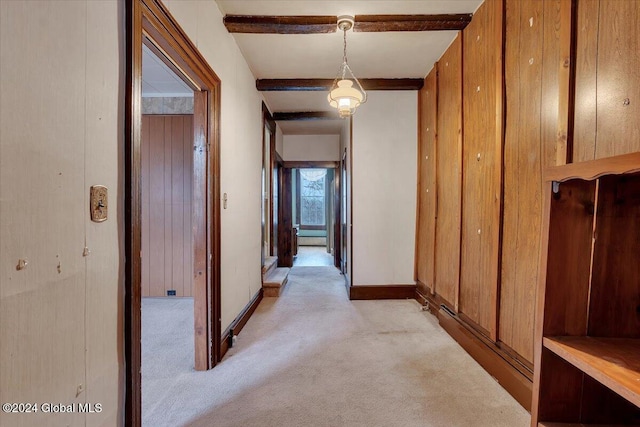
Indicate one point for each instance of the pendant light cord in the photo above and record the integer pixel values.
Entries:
(344, 54)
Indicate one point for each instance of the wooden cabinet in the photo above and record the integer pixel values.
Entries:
(587, 349)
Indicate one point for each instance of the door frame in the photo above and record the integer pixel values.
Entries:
(150, 20)
(335, 165)
(270, 124)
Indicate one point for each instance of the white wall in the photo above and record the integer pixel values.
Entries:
(384, 188)
(279, 141)
(241, 153)
(61, 99)
(311, 147)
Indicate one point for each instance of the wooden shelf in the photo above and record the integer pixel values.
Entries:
(614, 362)
(627, 163)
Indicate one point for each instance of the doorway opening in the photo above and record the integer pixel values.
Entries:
(167, 214)
(150, 24)
(309, 213)
(313, 191)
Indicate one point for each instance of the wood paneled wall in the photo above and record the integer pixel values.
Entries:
(554, 110)
(426, 212)
(607, 75)
(482, 159)
(167, 181)
(449, 174)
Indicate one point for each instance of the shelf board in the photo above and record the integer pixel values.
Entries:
(614, 362)
(626, 163)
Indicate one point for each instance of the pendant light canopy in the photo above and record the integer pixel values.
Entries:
(343, 94)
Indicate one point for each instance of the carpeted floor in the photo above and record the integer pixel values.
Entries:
(314, 358)
(312, 256)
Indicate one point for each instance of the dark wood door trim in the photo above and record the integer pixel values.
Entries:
(150, 19)
(270, 124)
(337, 213)
(285, 220)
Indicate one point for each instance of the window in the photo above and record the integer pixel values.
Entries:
(311, 190)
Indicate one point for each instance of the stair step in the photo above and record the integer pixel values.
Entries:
(270, 263)
(275, 281)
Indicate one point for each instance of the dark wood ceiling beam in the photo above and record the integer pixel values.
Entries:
(280, 24)
(325, 84)
(256, 24)
(305, 115)
(382, 23)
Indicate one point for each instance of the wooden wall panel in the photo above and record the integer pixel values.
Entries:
(167, 176)
(584, 144)
(449, 173)
(522, 214)
(618, 78)
(607, 90)
(425, 242)
(482, 159)
(556, 74)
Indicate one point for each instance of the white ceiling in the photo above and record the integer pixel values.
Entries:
(158, 80)
(371, 55)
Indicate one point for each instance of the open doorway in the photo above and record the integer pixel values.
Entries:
(167, 178)
(312, 214)
(150, 24)
(314, 207)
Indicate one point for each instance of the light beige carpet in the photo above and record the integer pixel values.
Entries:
(312, 256)
(314, 358)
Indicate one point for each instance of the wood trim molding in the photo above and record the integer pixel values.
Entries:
(254, 24)
(380, 23)
(324, 24)
(511, 379)
(296, 164)
(239, 322)
(305, 115)
(369, 292)
(325, 84)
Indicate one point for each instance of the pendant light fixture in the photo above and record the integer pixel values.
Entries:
(343, 95)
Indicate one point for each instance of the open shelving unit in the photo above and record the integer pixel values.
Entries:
(587, 344)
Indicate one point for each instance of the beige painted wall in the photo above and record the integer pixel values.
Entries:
(279, 141)
(61, 98)
(384, 188)
(311, 147)
(241, 154)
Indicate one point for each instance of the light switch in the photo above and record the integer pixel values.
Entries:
(98, 203)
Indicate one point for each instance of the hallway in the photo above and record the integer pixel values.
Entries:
(312, 256)
(314, 358)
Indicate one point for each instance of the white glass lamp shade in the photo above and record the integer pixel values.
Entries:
(345, 98)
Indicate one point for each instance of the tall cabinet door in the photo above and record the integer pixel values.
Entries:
(426, 225)
(482, 159)
(449, 174)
